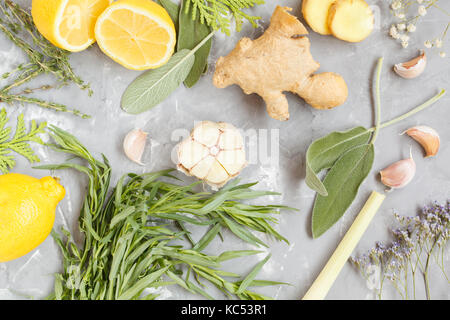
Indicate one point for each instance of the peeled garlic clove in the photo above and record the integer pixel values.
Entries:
(134, 145)
(214, 153)
(398, 174)
(413, 68)
(427, 137)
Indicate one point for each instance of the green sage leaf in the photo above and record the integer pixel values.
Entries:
(342, 182)
(152, 87)
(324, 152)
(191, 33)
(172, 9)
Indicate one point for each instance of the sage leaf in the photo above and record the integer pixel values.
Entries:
(342, 182)
(172, 9)
(152, 87)
(191, 33)
(324, 152)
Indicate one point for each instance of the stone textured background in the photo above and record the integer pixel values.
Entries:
(301, 261)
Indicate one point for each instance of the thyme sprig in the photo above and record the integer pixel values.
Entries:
(43, 58)
(131, 243)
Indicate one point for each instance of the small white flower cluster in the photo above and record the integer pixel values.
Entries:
(400, 31)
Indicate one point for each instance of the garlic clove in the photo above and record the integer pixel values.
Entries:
(134, 145)
(413, 68)
(427, 137)
(399, 174)
(207, 133)
(202, 169)
(191, 152)
(233, 161)
(217, 175)
(231, 139)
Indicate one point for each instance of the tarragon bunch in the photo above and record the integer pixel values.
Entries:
(217, 13)
(19, 142)
(134, 236)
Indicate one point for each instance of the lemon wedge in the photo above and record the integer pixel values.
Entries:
(138, 34)
(68, 24)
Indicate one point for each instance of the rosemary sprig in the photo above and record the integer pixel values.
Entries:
(129, 235)
(43, 58)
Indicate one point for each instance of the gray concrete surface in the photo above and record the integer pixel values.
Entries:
(301, 261)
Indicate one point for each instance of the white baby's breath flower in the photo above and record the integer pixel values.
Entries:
(438, 43)
(401, 26)
(428, 44)
(404, 37)
(442, 54)
(405, 44)
(393, 32)
(419, 1)
(422, 10)
(411, 27)
(400, 15)
(396, 5)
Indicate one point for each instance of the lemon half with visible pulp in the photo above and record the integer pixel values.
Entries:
(138, 34)
(68, 24)
(27, 212)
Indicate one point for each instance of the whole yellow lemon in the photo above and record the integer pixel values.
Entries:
(27, 212)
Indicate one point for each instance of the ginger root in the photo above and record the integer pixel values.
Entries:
(278, 61)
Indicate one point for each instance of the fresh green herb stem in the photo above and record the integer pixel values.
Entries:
(413, 111)
(377, 100)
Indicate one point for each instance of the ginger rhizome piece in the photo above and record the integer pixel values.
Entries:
(278, 61)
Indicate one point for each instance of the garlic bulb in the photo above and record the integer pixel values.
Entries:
(427, 137)
(214, 153)
(398, 174)
(413, 68)
(134, 145)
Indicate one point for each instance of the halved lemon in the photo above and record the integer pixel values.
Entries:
(68, 24)
(138, 34)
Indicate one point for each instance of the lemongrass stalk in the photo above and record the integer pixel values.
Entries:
(330, 272)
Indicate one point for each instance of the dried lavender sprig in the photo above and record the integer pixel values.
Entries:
(416, 242)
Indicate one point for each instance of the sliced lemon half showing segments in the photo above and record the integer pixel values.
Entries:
(138, 34)
(68, 24)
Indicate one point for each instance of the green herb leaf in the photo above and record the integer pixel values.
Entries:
(19, 142)
(191, 33)
(252, 275)
(324, 152)
(142, 284)
(172, 9)
(217, 14)
(207, 238)
(342, 182)
(152, 87)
